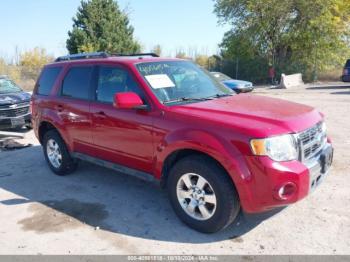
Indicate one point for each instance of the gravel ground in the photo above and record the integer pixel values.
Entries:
(98, 211)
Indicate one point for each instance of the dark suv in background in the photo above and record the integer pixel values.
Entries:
(346, 72)
(14, 105)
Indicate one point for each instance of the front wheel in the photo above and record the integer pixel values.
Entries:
(202, 194)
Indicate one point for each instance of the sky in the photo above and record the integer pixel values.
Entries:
(174, 24)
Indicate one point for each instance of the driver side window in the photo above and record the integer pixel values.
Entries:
(112, 80)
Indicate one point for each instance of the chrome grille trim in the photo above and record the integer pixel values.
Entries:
(311, 141)
(14, 112)
(7, 107)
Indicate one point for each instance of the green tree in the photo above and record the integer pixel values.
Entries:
(100, 25)
(298, 35)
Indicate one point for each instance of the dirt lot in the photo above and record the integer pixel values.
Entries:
(97, 211)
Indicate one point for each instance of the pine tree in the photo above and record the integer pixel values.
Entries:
(100, 25)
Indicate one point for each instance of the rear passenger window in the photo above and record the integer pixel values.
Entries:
(76, 83)
(47, 80)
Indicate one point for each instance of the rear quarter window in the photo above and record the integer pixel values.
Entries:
(47, 80)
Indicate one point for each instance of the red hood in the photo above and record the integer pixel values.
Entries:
(259, 116)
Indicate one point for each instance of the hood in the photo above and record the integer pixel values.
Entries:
(257, 116)
(234, 82)
(14, 98)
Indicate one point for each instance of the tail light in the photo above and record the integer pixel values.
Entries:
(345, 71)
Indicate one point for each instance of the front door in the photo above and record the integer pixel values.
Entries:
(122, 136)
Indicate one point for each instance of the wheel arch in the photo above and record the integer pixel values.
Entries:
(179, 154)
(46, 126)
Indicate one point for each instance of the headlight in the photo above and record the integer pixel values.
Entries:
(279, 148)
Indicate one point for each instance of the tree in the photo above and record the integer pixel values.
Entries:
(32, 61)
(100, 25)
(10, 70)
(298, 35)
(157, 50)
(202, 60)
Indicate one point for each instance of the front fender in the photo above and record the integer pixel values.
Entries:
(220, 149)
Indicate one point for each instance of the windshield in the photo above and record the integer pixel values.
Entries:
(7, 86)
(221, 76)
(181, 82)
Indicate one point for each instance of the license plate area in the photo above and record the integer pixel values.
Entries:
(319, 169)
(326, 159)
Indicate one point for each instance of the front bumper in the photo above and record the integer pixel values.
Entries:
(247, 89)
(262, 191)
(13, 122)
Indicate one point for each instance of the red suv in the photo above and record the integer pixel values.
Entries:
(169, 120)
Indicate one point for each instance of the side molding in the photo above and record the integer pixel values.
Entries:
(119, 168)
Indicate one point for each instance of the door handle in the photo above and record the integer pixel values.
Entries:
(101, 115)
(59, 108)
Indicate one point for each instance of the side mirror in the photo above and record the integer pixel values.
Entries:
(128, 100)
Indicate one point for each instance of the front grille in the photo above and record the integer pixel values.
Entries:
(311, 141)
(14, 112)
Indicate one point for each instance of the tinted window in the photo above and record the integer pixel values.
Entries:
(347, 63)
(47, 80)
(76, 84)
(113, 80)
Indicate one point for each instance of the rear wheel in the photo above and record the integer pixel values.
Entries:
(57, 155)
(202, 194)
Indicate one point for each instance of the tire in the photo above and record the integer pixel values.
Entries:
(29, 126)
(216, 216)
(65, 164)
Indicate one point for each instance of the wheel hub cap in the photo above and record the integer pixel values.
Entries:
(54, 153)
(196, 196)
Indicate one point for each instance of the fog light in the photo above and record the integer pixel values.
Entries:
(286, 191)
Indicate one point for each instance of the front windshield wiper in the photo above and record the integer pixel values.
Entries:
(184, 99)
(221, 95)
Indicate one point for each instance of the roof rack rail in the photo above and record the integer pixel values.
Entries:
(82, 56)
(99, 55)
(136, 54)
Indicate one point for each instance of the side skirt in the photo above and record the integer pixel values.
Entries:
(119, 168)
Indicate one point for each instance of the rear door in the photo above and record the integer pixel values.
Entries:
(73, 106)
